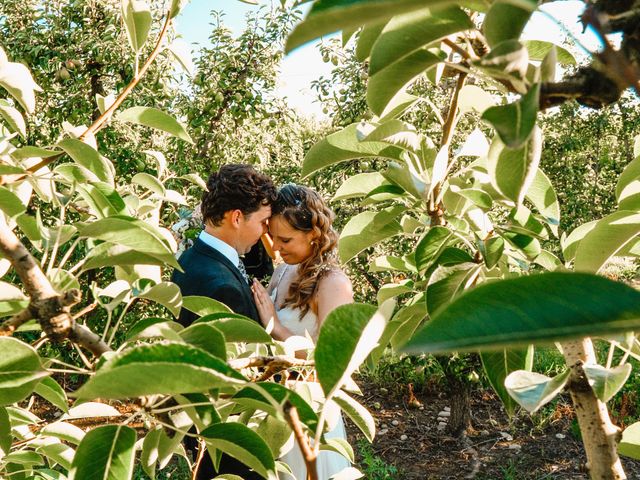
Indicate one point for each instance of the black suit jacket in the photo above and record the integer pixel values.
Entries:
(208, 273)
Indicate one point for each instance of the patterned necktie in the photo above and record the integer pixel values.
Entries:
(243, 271)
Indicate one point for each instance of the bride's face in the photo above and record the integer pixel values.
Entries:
(294, 245)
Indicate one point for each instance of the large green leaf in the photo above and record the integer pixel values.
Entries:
(202, 306)
(10, 203)
(51, 391)
(328, 16)
(366, 38)
(532, 309)
(515, 121)
(166, 294)
(347, 336)
(389, 83)
(606, 382)
(629, 446)
(505, 21)
(406, 321)
(13, 117)
(367, 229)
(107, 255)
(149, 182)
(406, 33)
(359, 186)
(154, 118)
(20, 370)
(357, 413)
(137, 20)
(12, 300)
(64, 431)
(543, 196)
(16, 79)
(102, 199)
(59, 453)
(533, 390)
(405, 178)
(498, 365)
(512, 171)
(105, 453)
(165, 368)
(263, 395)
(207, 337)
(447, 283)
(242, 443)
(628, 187)
(609, 235)
(237, 328)
(431, 245)
(131, 233)
(538, 50)
(88, 157)
(5, 432)
(345, 145)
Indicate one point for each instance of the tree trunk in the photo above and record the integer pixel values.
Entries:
(600, 436)
(460, 418)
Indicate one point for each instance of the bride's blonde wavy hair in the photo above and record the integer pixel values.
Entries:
(305, 210)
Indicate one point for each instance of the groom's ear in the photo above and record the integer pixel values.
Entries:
(232, 217)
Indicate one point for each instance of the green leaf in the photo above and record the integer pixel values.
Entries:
(33, 152)
(107, 254)
(73, 173)
(528, 245)
(628, 187)
(406, 320)
(387, 84)
(166, 294)
(505, 21)
(12, 300)
(366, 38)
(17, 80)
(149, 182)
(609, 235)
(358, 186)
(446, 283)
(498, 365)
(342, 447)
(20, 370)
(103, 199)
(237, 328)
(629, 446)
(105, 453)
(367, 229)
(58, 453)
(513, 171)
(166, 368)
(5, 433)
(24, 458)
(154, 328)
(403, 177)
(472, 97)
(389, 263)
(571, 243)
(262, 395)
(347, 336)
(88, 157)
(539, 49)
(391, 290)
(406, 33)
(395, 132)
(543, 196)
(344, 145)
(13, 117)
(242, 443)
(532, 390)
(431, 245)
(398, 105)
(358, 414)
(606, 382)
(134, 234)
(196, 180)
(515, 121)
(154, 118)
(10, 203)
(137, 20)
(149, 454)
(203, 305)
(327, 16)
(548, 261)
(64, 431)
(206, 337)
(533, 309)
(51, 391)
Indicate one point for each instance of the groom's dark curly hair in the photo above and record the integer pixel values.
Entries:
(236, 187)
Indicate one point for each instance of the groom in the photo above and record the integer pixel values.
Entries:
(235, 211)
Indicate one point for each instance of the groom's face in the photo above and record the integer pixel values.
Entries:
(251, 228)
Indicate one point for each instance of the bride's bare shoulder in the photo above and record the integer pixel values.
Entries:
(334, 278)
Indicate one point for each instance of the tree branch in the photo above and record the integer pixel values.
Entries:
(308, 454)
(277, 363)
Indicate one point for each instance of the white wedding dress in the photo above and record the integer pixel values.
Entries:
(328, 463)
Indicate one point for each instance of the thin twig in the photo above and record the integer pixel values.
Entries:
(85, 310)
(308, 454)
(11, 325)
(271, 362)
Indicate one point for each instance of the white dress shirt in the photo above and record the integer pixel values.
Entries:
(223, 247)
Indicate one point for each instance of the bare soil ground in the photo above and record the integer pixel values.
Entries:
(544, 447)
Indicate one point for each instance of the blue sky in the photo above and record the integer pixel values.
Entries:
(305, 64)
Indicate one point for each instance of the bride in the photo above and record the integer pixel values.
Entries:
(304, 290)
